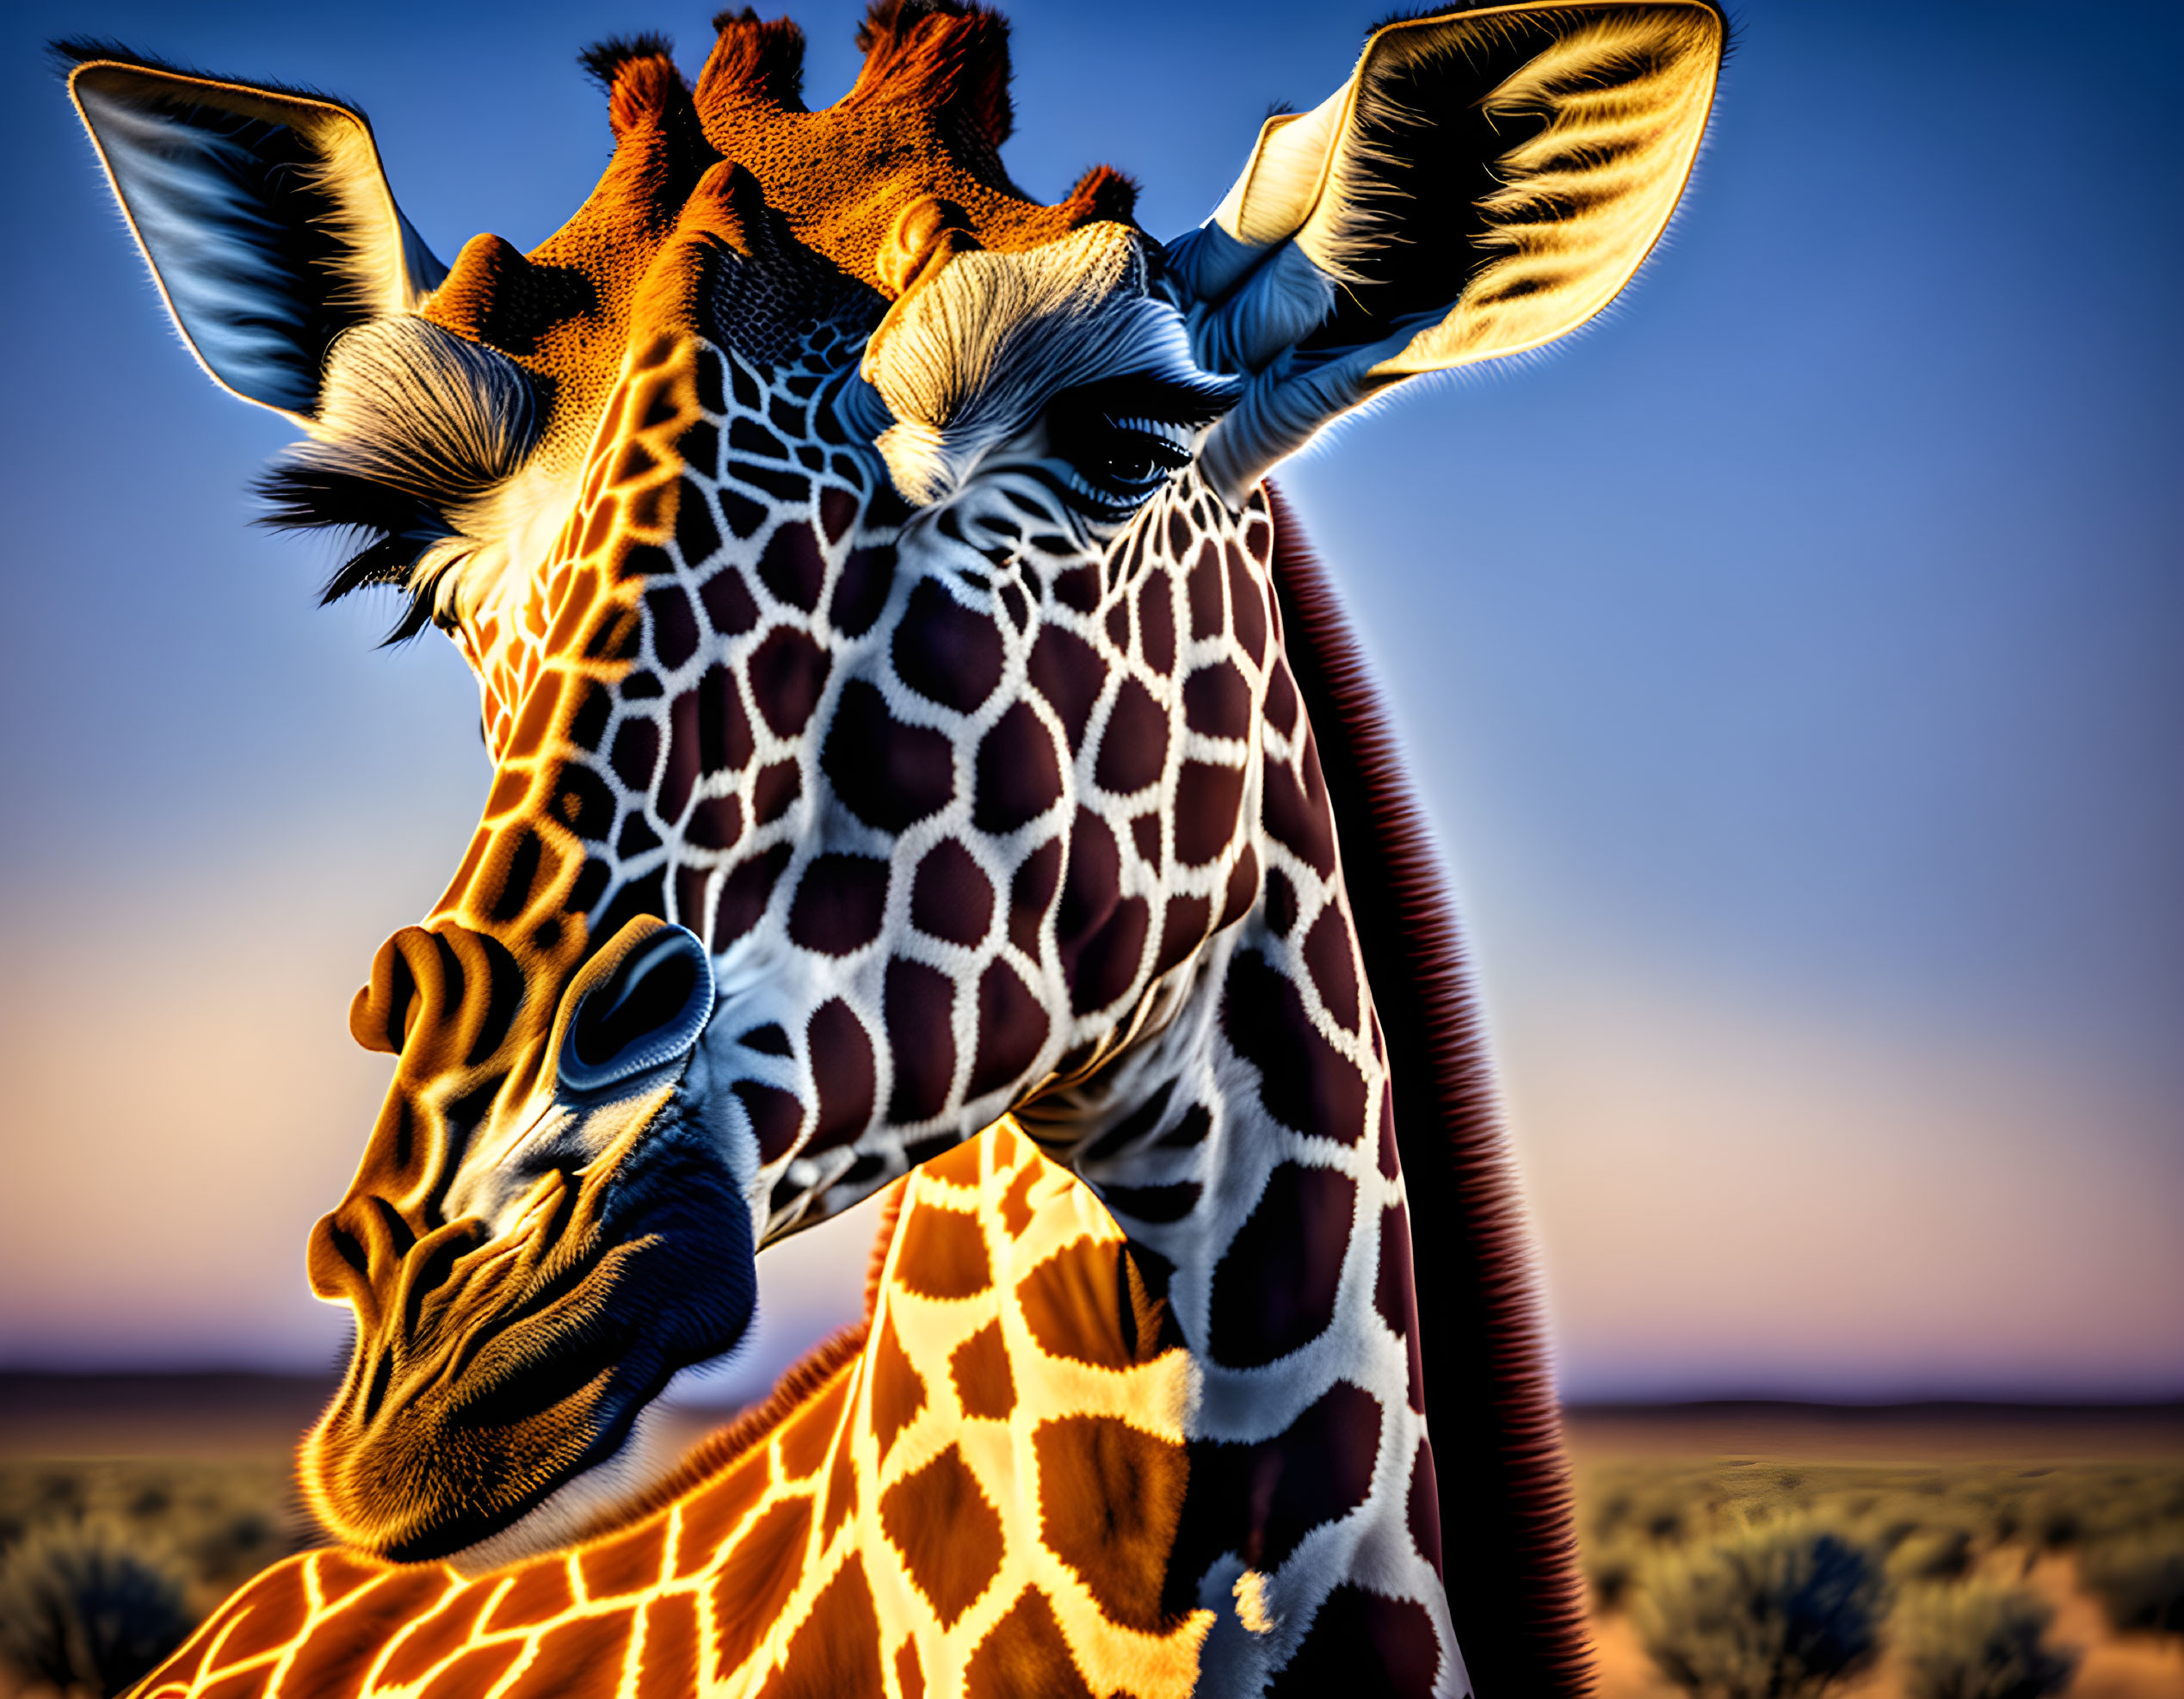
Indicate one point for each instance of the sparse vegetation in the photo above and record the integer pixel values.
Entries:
(1779, 1610)
(1930, 1553)
(1748, 1578)
(1978, 1640)
(91, 1604)
(106, 1566)
(2139, 1578)
(1741, 1572)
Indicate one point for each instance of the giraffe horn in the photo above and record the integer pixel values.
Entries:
(1102, 194)
(753, 64)
(603, 61)
(950, 58)
(644, 88)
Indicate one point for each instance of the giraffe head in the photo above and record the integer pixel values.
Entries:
(795, 506)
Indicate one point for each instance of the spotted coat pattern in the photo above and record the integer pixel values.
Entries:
(1159, 785)
(1213, 1497)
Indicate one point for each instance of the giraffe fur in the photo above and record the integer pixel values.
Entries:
(906, 701)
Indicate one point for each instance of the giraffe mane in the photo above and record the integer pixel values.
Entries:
(1513, 1580)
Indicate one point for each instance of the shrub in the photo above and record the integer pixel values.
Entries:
(2058, 1516)
(89, 1604)
(1776, 1610)
(2139, 1578)
(224, 1522)
(1611, 1565)
(1648, 1508)
(1935, 1554)
(1979, 1640)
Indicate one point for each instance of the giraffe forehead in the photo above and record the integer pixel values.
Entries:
(967, 360)
(984, 333)
(841, 179)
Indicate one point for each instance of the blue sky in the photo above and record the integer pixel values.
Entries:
(1790, 666)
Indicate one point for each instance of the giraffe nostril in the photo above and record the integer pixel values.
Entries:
(643, 1002)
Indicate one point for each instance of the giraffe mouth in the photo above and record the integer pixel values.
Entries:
(493, 1374)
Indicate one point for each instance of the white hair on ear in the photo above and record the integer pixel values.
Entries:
(1594, 115)
(182, 189)
(1581, 201)
(264, 213)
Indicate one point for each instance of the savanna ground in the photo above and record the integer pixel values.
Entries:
(1939, 1553)
(1750, 1552)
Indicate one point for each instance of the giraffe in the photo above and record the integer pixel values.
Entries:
(911, 713)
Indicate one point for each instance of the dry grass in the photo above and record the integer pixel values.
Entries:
(106, 1565)
(1988, 1581)
(1992, 1580)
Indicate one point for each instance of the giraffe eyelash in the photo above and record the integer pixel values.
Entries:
(1111, 463)
(1177, 436)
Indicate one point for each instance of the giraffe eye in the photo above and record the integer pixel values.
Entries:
(1134, 462)
(1119, 441)
(1116, 465)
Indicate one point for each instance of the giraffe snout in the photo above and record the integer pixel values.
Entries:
(547, 1270)
(476, 1041)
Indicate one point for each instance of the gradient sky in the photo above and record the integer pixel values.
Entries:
(1791, 665)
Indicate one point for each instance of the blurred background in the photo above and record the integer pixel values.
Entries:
(1790, 665)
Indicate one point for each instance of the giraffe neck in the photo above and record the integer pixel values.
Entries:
(981, 1483)
(1247, 1151)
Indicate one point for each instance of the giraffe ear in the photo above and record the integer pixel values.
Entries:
(264, 213)
(1485, 182)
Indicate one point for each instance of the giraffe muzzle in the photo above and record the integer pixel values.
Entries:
(507, 1346)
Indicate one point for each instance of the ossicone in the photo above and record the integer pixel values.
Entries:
(754, 63)
(948, 59)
